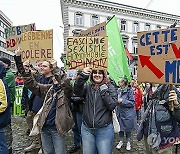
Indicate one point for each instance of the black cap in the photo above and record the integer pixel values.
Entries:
(5, 60)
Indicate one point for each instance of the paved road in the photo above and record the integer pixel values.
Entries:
(21, 140)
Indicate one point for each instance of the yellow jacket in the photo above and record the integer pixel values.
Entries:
(3, 97)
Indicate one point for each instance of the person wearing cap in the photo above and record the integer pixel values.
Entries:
(56, 119)
(10, 80)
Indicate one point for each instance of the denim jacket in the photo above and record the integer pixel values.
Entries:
(160, 123)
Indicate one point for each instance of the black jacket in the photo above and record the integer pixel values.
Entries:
(98, 104)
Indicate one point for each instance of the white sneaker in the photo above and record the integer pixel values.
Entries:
(128, 146)
(120, 144)
(40, 151)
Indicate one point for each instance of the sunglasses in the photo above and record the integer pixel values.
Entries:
(97, 72)
(26, 65)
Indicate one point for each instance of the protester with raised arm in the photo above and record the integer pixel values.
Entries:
(159, 125)
(100, 99)
(55, 119)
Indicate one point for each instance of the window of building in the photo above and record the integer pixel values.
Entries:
(125, 41)
(4, 36)
(135, 47)
(94, 20)
(135, 26)
(147, 27)
(1, 33)
(1, 23)
(123, 25)
(5, 26)
(158, 26)
(78, 19)
(2, 44)
(135, 71)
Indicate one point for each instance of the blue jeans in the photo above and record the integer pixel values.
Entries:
(3, 143)
(52, 142)
(98, 140)
(128, 136)
(77, 116)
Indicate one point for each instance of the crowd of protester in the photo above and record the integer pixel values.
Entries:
(84, 104)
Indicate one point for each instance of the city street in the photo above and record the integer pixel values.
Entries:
(21, 140)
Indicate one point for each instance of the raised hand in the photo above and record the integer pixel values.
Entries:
(53, 63)
(173, 97)
(87, 70)
(18, 52)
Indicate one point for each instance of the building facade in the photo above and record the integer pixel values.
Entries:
(5, 22)
(80, 15)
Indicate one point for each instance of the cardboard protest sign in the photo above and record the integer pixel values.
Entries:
(13, 35)
(84, 52)
(97, 30)
(37, 45)
(159, 56)
(17, 108)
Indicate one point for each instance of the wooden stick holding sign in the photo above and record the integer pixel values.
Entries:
(171, 102)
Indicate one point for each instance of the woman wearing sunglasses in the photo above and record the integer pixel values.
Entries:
(100, 100)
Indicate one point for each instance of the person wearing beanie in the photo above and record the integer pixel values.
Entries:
(10, 80)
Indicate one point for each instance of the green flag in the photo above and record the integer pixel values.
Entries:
(117, 59)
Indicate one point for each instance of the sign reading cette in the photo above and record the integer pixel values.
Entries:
(84, 52)
(13, 35)
(159, 56)
(37, 45)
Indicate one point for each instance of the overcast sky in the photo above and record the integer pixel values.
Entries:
(47, 15)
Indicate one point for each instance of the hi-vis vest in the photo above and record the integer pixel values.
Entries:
(3, 97)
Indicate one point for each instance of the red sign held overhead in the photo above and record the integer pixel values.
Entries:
(145, 61)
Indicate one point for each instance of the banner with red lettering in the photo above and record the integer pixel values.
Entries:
(13, 35)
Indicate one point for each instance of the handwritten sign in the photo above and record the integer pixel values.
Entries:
(159, 56)
(37, 45)
(97, 30)
(84, 52)
(13, 35)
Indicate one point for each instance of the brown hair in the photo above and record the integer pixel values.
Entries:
(100, 72)
(50, 65)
